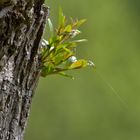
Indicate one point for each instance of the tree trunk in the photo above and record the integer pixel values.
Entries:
(21, 27)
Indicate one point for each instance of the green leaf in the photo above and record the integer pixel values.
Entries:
(79, 64)
(80, 40)
(71, 45)
(44, 54)
(78, 23)
(67, 50)
(62, 18)
(68, 28)
(66, 75)
(59, 59)
(46, 70)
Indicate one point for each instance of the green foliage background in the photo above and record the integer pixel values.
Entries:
(87, 108)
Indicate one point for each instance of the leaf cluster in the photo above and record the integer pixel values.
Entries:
(58, 52)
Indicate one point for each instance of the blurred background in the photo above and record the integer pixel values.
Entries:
(97, 105)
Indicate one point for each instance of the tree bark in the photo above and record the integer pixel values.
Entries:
(21, 27)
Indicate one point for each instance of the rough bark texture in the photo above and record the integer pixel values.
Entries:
(21, 27)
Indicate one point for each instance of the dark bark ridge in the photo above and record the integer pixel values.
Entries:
(21, 28)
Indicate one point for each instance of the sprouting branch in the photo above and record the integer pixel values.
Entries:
(58, 52)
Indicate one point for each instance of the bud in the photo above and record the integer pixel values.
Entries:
(72, 59)
(44, 43)
(74, 33)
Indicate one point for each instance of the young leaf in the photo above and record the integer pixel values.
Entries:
(79, 64)
(62, 18)
(66, 75)
(78, 23)
(80, 40)
(68, 28)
